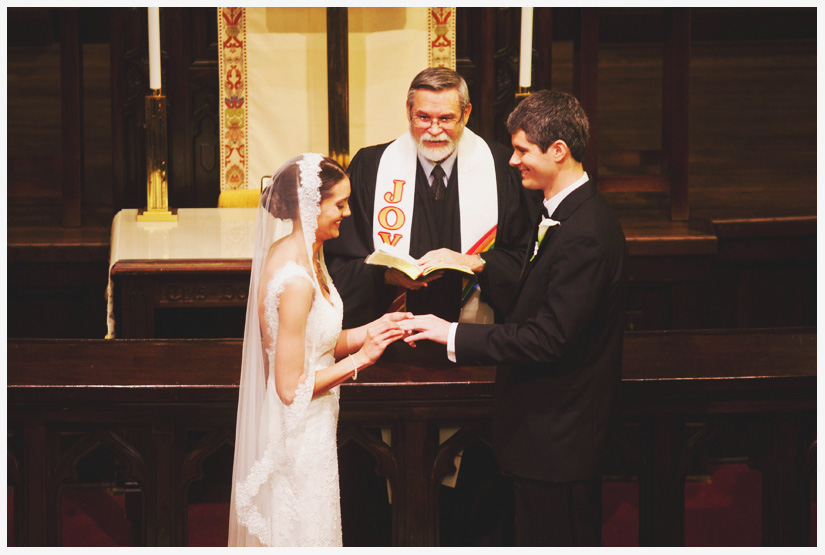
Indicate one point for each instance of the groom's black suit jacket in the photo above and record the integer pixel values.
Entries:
(559, 352)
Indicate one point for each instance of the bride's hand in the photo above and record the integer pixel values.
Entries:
(380, 333)
(397, 317)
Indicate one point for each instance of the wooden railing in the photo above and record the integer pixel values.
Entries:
(141, 400)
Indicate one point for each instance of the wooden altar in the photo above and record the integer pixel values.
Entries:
(203, 261)
(200, 261)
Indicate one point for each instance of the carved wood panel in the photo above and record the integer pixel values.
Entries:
(474, 35)
(674, 417)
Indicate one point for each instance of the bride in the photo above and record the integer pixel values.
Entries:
(285, 477)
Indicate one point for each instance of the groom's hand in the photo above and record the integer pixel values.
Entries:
(427, 327)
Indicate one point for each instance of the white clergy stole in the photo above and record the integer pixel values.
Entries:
(395, 192)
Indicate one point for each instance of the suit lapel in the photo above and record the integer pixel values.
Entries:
(530, 248)
(530, 260)
(571, 203)
(567, 207)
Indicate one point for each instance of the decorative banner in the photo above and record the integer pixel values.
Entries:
(233, 91)
(441, 38)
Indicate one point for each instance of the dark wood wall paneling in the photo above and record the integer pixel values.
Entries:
(190, 61)
(37, 116)
(34, 118)
(747, 158)
(62, 271)
(56, 274)
(71, 111)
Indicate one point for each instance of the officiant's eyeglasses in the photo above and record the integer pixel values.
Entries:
(444, 122)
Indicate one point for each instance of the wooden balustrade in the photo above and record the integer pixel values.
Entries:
(163, 407)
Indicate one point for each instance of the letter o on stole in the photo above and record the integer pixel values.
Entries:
(383, 217)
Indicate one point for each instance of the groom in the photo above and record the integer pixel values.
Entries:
(559, 352)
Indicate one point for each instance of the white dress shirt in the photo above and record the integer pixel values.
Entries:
(446, 164)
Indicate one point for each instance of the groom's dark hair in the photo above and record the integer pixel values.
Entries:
(549, 116)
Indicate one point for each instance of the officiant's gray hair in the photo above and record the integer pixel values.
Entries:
(440, 79)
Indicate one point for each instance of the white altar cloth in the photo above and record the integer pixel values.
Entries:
(198, 234)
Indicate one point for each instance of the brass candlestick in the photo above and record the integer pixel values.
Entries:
(523, 92)
(157, 191)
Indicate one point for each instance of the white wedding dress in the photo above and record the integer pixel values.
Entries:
(291, 496)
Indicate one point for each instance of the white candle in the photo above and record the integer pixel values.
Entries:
(526, 54)
(154, 48)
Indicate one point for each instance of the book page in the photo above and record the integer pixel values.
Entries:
(387, 255)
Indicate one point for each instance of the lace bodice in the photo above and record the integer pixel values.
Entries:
(291, 496)
(325, 317)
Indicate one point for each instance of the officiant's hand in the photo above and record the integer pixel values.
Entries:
(397, 277)
(440, 256)
(428, 327)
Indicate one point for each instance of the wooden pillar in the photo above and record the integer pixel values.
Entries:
(662, 497)
(585, 81)
(484, 98)
(135, 309)
(675, 108)
(161, 516)
(36, 527)
(176, 61)
(117, 76)
(71, 104)
(783, 522)
(414, 498)
(338, 84)
(543, 43)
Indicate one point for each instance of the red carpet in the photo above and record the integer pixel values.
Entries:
(723, 511)
(726, 512)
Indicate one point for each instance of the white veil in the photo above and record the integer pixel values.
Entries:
(293, 194)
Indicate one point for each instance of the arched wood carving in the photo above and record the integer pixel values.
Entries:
(444, 464)
(386, 465)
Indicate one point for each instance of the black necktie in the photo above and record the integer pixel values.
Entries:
(544, 213)
(437, 186)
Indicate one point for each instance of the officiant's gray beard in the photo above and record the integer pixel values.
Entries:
(437, 155)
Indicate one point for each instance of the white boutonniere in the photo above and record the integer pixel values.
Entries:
(546, 223)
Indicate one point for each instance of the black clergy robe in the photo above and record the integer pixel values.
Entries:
(435, 224)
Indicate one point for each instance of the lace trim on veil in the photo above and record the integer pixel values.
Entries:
(309, 197)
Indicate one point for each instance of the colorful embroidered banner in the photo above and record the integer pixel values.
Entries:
(441, 43)
(233, 97)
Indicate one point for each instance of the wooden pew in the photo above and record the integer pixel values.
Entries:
(141, 398)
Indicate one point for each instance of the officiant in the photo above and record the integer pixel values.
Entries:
(438, 192)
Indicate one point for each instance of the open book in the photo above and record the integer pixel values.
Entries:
(387, 255)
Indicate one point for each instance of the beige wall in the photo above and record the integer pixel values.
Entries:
(387, 47)
(287, 69)
(287, 86)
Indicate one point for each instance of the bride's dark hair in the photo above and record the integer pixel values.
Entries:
(281, 198)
